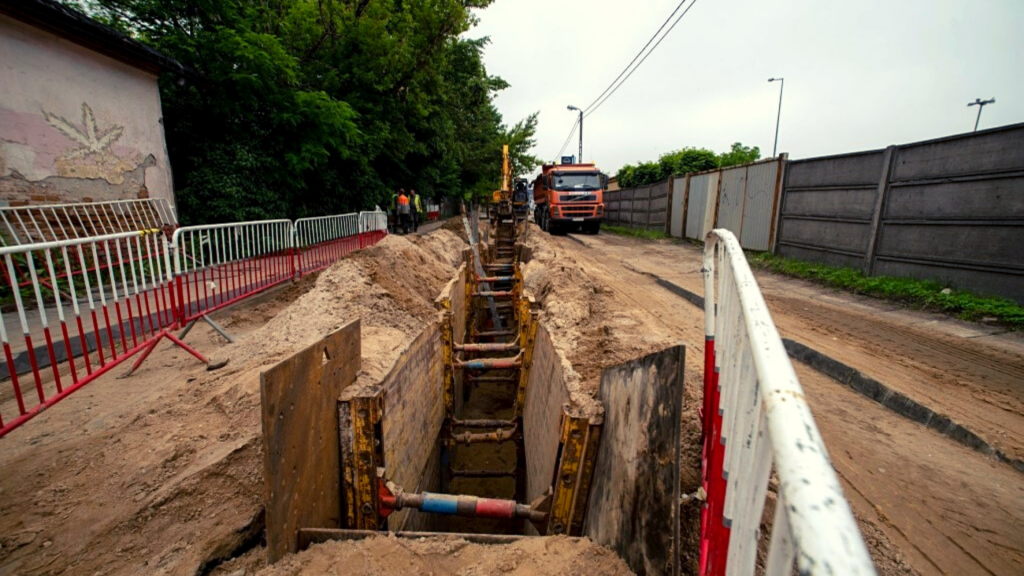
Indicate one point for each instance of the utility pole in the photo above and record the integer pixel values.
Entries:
(779, 116)
(580, 159)
(980, 104)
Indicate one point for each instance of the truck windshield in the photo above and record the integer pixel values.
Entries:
(577, 181)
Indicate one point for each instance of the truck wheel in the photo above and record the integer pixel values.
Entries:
(592, 227)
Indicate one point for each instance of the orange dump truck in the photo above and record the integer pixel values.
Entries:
(569, 196)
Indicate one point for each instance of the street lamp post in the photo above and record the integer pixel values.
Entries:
(778, 117)
(580, 161)
(980, 104)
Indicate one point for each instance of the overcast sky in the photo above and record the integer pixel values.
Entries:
(859, 74)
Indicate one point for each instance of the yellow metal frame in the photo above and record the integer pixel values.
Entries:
(586, 477)
(527, 337)
(361, 457)
(574, 432)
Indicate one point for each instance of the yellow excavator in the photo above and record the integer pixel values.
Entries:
(501, 200)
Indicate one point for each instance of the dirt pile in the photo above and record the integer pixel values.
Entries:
(161, 473)
(587, 323)
(450, 556)
(390, 287)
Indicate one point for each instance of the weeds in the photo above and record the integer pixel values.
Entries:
(923, 294)
(636, 232)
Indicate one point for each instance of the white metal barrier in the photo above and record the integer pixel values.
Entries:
(376, 221)
(55, 222)
(109, 297)
(83, 305)
(216, 265)
(755, 415)
(322, 240)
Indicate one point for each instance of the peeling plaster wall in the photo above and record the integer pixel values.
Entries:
(76, 126)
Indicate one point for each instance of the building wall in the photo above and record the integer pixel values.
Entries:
(76, 126)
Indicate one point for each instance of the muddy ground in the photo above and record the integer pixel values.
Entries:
(448, 556)
(161, 473)
(926, 504)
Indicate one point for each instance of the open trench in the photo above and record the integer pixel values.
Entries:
(475, 432)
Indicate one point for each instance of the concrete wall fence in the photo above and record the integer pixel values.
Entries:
(950, 209)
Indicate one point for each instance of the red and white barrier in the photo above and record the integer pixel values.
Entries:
(81, 307)
(217, 265)
(754, 416)
(76, 308)
(321, 241)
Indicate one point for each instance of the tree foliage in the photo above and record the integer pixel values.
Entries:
(306, 107)
(684, 161)
(739, 154)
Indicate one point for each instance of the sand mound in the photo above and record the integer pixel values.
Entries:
(450, 556)
(161, 473)
(390, 287)
(587, 325)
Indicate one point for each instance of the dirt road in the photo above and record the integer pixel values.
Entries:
(926, 503)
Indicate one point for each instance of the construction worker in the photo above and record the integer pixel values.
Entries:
(403, 211)
(393, 211)
(417, 211)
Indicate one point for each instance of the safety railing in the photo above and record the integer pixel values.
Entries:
(321, 241)
(54, 222)
(109, 297)
(217, 265)
(376, 221)
(754, 416)
(73, 309)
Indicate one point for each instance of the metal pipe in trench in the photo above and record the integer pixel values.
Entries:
(468, 506)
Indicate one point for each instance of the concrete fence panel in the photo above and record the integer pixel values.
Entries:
(679, 202)
(761, 197)
(731, 200)
(950, 209)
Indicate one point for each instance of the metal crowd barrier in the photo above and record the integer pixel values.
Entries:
(114, 295)
(53, 222)
(216, 265)
(109, 296)
(754, 415)
(321, 241)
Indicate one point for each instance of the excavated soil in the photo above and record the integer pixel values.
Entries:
(161, 473)
(587, 323)
(925, 504)
(450, 556)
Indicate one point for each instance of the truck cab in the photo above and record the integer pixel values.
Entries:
(569, 197)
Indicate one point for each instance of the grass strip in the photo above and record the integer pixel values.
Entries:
(636, 232)
(921, 294)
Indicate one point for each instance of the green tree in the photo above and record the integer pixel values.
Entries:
(739, 154)
(684, 161)
(307, 107)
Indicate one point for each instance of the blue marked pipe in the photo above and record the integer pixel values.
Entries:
(440, 503)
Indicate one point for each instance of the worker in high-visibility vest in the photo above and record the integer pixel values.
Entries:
(393, 212)
(417, 211)
(403, 211)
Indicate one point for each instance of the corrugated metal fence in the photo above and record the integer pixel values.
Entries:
(741, 199)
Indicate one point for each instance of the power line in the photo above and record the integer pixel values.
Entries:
(667, 32)
(568, 138)
(637, 55)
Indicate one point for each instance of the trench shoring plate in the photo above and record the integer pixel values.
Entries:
(634, 498)
(299, 410)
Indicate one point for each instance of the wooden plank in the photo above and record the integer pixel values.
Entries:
(299, 400)
(634, 500)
